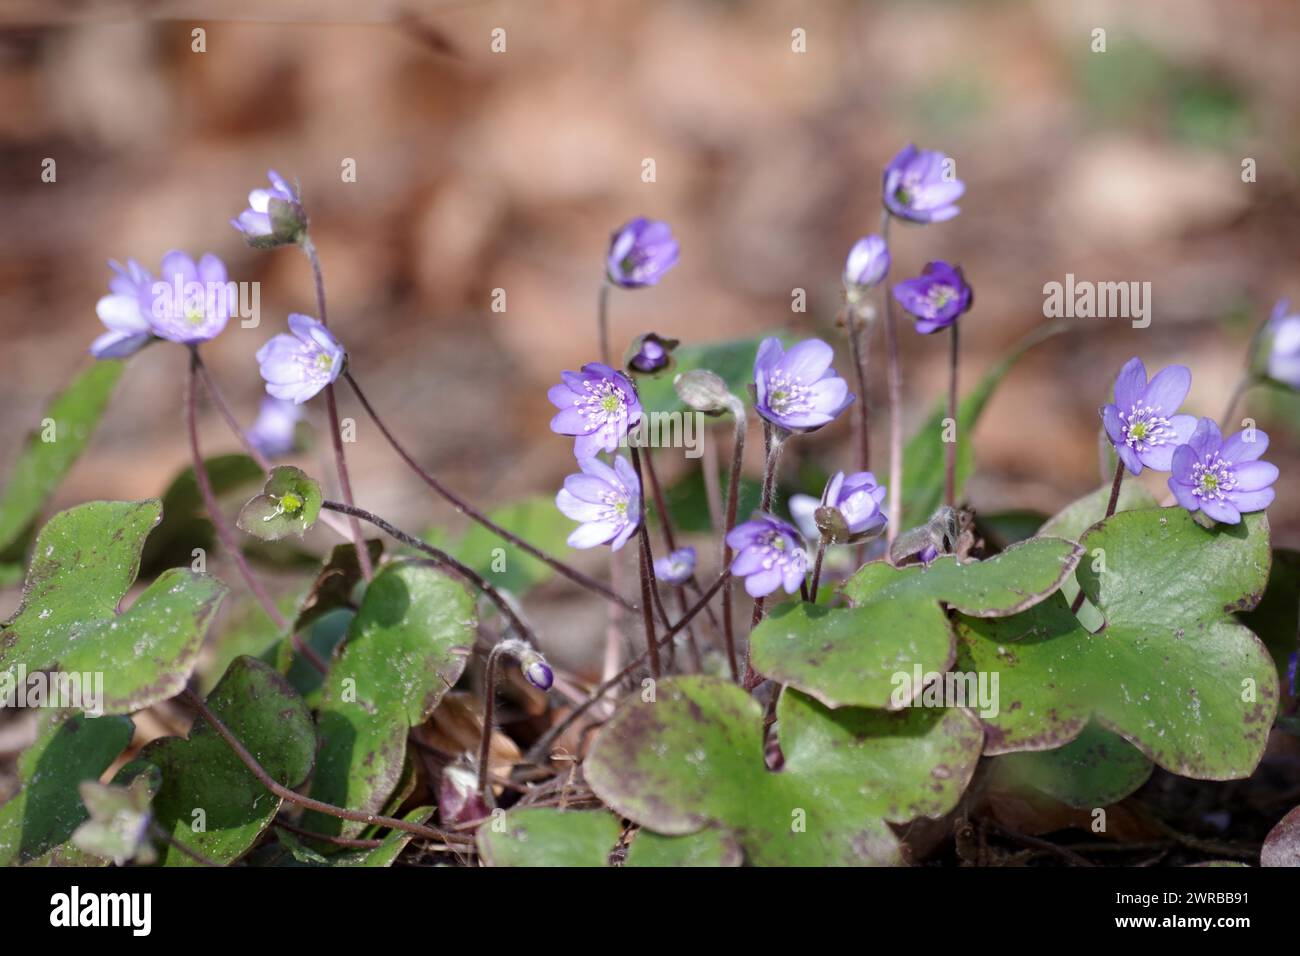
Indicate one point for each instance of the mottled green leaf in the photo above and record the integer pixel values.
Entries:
(205, 785)
(52, 449)
(1171, 671)
(405, 648)
(1095, 769)
(850, 656)
(706, 848)
(693, 758)
(37, 823)
(544, 836)
(1006, 583)
(84, 562)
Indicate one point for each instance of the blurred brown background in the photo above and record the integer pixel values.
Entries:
(478, 170)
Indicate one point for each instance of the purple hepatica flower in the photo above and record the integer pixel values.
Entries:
(936, 297)
(1290, 672)
(191, 301)
(798, 390)
(1284, 345)
(915, 188)
(927, 555)
(1141, 423)
(597, 405)
(640, 253)
(867, 265)
(857, 497)
(1224, 479)
(274, 216)
(122, 313)
(676, 567)
(769, 555)
(606, 500)
(298, 366)
(273, 432)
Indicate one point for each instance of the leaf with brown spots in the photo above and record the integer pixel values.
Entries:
(404, 650)
(1172, 672)
(84, 562)
(693, 758)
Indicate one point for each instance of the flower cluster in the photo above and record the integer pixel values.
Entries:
(1221, 479)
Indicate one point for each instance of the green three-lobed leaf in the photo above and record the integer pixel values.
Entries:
(1171, 671)
(694, 758)
(85, 560)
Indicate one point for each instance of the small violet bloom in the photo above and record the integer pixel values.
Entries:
(1141, 423)
(597, 405)
(640, 253)
(191, 301)
(857, 497)
(676, 567)
(1284, 345)
(866, 266)
(798, 390)
(298, 366)
(936, 297)
(274, 216)
(769, 555)
(1224, 479)
(122, 312)
(916, 186)
(606, 500)
(273, 432)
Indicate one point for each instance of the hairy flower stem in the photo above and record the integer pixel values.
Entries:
(817, 569)
(441, 557)
(646, 565)
(284, 793)
(219, 402)
(733, 499)
(544, 742)
(895, 369)
(223, 407)
(224, 532)
(463, 507)
(331, 405)
(670, 543)
(1110, 510)
(489, 718)
(602, 322)
(859, 329)
(950, 448)
(774, 439)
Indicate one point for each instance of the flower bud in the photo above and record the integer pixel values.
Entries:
(704, 391)
(535, 670)
(650, 354)
(867, 265)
